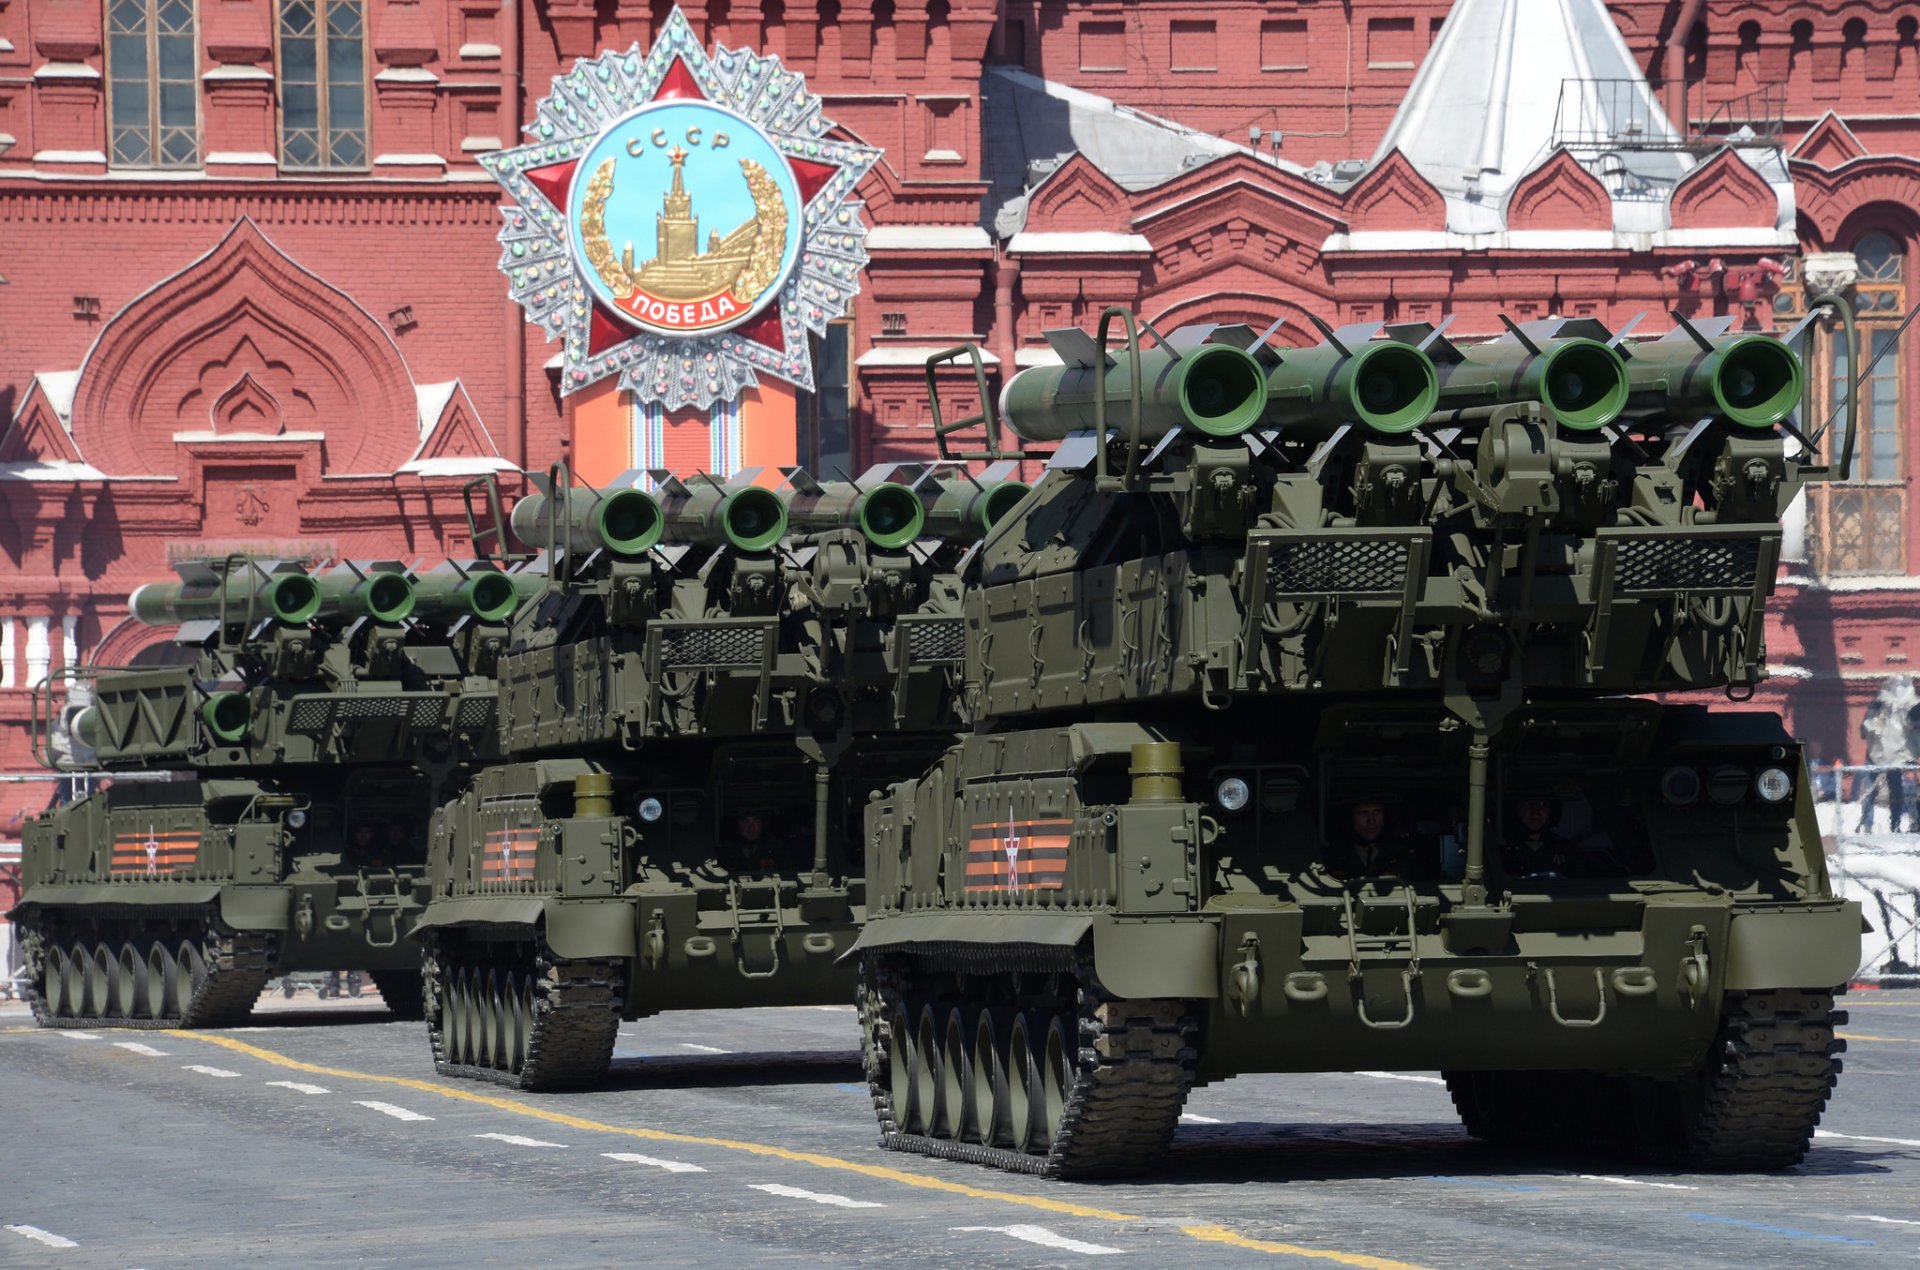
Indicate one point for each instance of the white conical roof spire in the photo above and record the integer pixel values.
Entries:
(1501, 77)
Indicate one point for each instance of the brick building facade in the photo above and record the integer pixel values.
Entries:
(251, 302)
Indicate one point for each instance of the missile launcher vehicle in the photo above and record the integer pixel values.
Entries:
(261, 809)
(1326, 711)
(693, 716)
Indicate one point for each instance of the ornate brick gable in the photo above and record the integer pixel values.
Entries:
(1559, 194)
(1828, 199)
(243, 342)
(1828, 144)
(37, 432)
(1076, 197)
(1395, 196)
(1722, 193)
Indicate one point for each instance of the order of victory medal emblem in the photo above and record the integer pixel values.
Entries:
(684, 221)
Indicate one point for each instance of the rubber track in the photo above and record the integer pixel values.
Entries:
(1767, 1079)
(402, 992)
(1135, 1066)
(577, 1008)
(238, 967)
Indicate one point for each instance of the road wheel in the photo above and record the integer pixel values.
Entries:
(1056, 1077)
(512, 1029)
(189, 972)
(927, 1080)
(990, 1098)
(453, 1012)
(478, 1025)
(1023, 1081)
(53, 982)
(129, 978)
(100, 982)
(900, 1073)
(160, 1003)
(956, 1086)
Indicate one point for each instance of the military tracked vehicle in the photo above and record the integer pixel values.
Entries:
(1312, 727)
(693, 716)
(262, 810)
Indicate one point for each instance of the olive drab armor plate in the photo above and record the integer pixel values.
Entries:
(1301, 739)
(267, 812)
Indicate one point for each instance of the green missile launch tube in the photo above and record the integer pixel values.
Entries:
(1582, 381)
(384, 597)
(1215, 389)
(229, 716)
(888, 515)
(1383, 385)
(293, 598)
(448, 597)
(626, 522)
(964, 511)
(745, 517)
(86, 727)
(1754, 381)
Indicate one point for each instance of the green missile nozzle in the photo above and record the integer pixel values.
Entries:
(625, 521)
(737, 514)
(1753, 381)
(888, 515)
(1582, 381)
(382, 596)
(964, 511)
(293, 598)
(229, 716)
(1215, 389)
(86, 727)
(1383, 385)
(448, 597)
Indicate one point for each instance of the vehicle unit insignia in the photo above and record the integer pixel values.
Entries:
(685, 220)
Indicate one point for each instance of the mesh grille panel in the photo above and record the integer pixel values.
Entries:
(1338, 566)
(936, 641)
(1686, 564)
(352, 709)
(428, 712)
(308, 716)
(712, 646)
(475, 712)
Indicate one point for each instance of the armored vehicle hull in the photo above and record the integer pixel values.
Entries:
(1056, 959)
(171, 903)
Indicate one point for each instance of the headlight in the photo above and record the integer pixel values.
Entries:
(1231, 794)
(297, 819)
(650, 809)
(1773, 785)
(1728, 785)
(1680, 785)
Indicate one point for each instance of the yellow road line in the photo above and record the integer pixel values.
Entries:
(1065, 1208)
(1890, 1040)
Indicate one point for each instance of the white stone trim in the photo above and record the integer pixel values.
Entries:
(410, 160)
(66, 70)
(1097, 241)
(479, 52)
(247, 438)
(927, 238)
(9, 649)
(69, 156)
(480, 144)
(252, 158)
(911, 355)
(219, 73)
(39, 649)
(1374, 240)
(406, 75)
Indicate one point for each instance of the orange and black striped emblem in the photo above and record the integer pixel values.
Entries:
(1019, 855)
(157, 853)
(508, 855)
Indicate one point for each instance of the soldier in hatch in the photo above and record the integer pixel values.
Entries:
(1531, 847)
(1371, 849)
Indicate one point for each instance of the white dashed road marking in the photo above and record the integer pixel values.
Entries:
(388, 1109)
(1854, 1137)
(136, 1047)
(514, 1139)
(671, 1166)
(46, 1237)
(204, 1070)
(1418, 1080)
(1890, 1221)
(1187, 1117)
(71, 1036)
(1046, 1239)
(1633, 1181)
(298, 1087)
(794, 1192)
(704, 1049)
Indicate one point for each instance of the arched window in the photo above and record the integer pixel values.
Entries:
(1859, 528)
(323, 84)
(153, 84)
